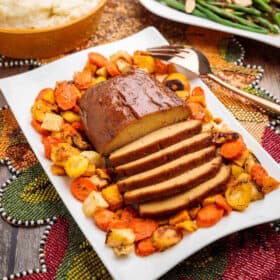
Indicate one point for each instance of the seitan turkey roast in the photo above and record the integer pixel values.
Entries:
(126, 107)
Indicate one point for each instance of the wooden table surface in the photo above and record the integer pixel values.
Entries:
(19, 248)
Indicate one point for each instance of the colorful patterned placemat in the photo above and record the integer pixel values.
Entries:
(28, 199)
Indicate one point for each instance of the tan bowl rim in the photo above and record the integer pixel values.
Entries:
(48, 29)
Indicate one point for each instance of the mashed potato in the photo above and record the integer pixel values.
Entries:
(42, 13)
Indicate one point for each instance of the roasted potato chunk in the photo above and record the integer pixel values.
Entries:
(113, 196)
(120, 237)
(75, 166)
(166, 236)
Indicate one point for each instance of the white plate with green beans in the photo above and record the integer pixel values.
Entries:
(259, 21)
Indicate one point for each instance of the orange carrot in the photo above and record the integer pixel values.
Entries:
(49, 142)
(142, 228)
(197, 111)
(197, 91)
(37, 126)
(103, 218)
(97, 59)
(65, 96)
(128, 214)
(209, 215)
(83, 80)
(76, 109)
(81, 187)
(145, 247)
(42, 93)
(221, 202)
(69, 129)
(112, 69)
(118, 224)
(233, 149)
(78, 125)
(258, 173)
(160, 67)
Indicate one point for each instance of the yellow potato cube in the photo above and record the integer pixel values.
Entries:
(93, 202)
(188, 226)
(70, 116)
(52, 122)
(75, 166)
(101, 183)
(113, 196)
(94, 158)
(179, 217)
(120, 237)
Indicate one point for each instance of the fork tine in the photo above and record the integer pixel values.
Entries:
(169, 47)
(165, 54)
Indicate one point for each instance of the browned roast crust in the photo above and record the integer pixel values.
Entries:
(155, 141)
(189, 145)
(168, 170)
(175, 185)
(110, 109)
(186, 199)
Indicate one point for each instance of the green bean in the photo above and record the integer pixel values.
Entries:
(228, 15)
(175, 4)
(247, 10)
(266, 23)
(212, 16)
(263, 5)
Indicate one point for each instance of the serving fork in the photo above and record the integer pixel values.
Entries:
(196, 63)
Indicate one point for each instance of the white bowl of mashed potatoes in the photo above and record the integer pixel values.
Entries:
(46, 28)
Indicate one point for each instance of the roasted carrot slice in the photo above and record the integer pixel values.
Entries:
(221, 202)
(198, 91)
(37, 126)
(145, 247)
(128, 214)
(78, 125)
(82, 187)
(112, 69)
(97, 59)
(258, 173)
(49, 142)
(209, 215)
(160, 67)
(233, 149)
(118, 224)
(83, 80)
(65, 96)
(197, 110)
(103, 218)
(143, 228)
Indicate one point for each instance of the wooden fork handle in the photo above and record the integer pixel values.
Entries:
(264, 103)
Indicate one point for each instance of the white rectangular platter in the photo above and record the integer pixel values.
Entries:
(172, 14)
(20, 92)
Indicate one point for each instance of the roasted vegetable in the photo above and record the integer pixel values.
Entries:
(123, 250)
(61, 152)
(57, 170)
(65, 95)
(81, 188)
(93, 202)
(209, 215)
(187, 226)
(177, 81)
(75, 166)
(103, 218)
(145, 62)
(236, 170)
(46, 94)
(94, 158)
(113, 196)
(101, 183)
(179, 217)
(70, 116)
(120, 237)
(166, 236)
(142, 228)
(145, 247)
(52, 122)
(239, 196)
(79, 142)
(40, 108)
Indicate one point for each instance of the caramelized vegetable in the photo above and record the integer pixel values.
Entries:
(46, 94)
(239, 196)
(233, 149)
(94, 201)
(37, 126)
(258, 173)
(61, 152)
(65, 95)
(49, 142)
(209, 215)
(82, 187)
(145, 247)
(40, 108)
(142, 228)
(113, 196)
(97, 59)
(112, 69)
(145, 62)
(83, 80)
(187, 226)
(75, 166)
(179, 217)
(197, 111)
(166, 236)
(103, 218)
